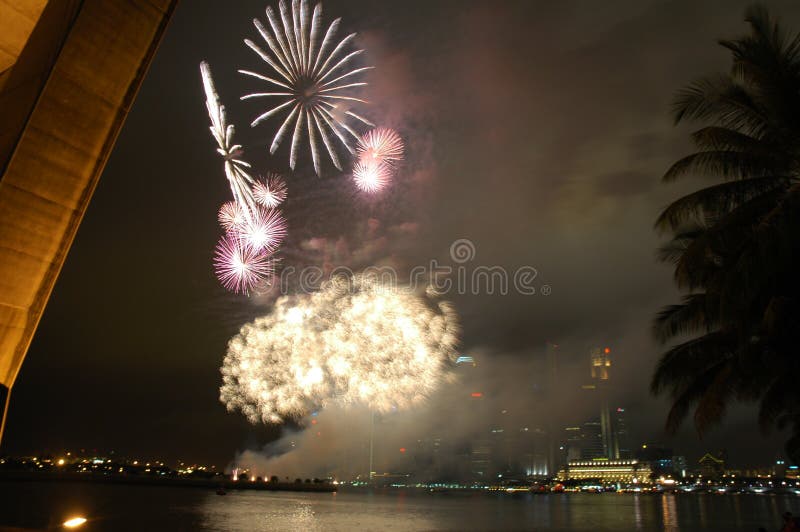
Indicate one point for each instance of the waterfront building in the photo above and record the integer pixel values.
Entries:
(712, 465)
(607, 471)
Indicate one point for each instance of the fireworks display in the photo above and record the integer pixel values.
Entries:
(264, 231)
(379, 153)
(371, 176)
(253, 228)
(270, 192)
(313, 82)
(354, 342)
(236, 170)
(380, 145)
(240, 268)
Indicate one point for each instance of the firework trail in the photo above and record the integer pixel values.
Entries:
(311, 75)
(236, 170)
(253, 228)
(356, 341)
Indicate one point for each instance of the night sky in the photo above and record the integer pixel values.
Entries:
(537, 130)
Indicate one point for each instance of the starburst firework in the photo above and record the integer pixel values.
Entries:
(380, 145)
(371, 176)
(354, 342)
(231, 217)
(271, 191)
(311, 77)
(239, 267)
(264, 231)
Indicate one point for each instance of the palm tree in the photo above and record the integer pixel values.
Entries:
(735, 244)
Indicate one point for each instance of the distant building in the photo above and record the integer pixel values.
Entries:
(607, 471)
(480, 459)
(600, 364)
(554, 457)
(571, 446)
(624, 450)
(679, 466)
(592, 440)
(712, 465)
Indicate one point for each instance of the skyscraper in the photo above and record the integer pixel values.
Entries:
(551, 359)
(600, 359)
(621, 434)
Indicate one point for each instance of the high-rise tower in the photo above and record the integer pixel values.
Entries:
(600, 369)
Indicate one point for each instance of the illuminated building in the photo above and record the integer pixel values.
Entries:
(600, 359)
(607, 471)
(712, 465)
(536, 455)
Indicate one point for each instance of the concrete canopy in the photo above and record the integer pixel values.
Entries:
(69, 72)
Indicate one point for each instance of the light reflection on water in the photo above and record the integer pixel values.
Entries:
(121, 508)
(669, 513)
(409, 511)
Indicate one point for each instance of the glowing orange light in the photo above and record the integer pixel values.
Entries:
(313, 421)
(607, 350)
(476, 394)
(75, 522)
(402, 449)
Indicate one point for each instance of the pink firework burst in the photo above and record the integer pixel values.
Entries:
(270, 192)
(239, 267)
(231, 216)
(381, 145)
(371, 176)
(265, 231)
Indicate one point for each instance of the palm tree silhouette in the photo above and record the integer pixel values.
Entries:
(735, 245)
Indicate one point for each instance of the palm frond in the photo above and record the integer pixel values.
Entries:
(697, 313)
(682, 363)
(716, 200)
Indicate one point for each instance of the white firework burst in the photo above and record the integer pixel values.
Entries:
(231, 216)
(239, 267)
(270, 191)
(236, 169)
(357, 341)
(311, 77)
(380, 145)
(371, 176)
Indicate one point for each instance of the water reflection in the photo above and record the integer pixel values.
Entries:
(669, 513)
(116, 508)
